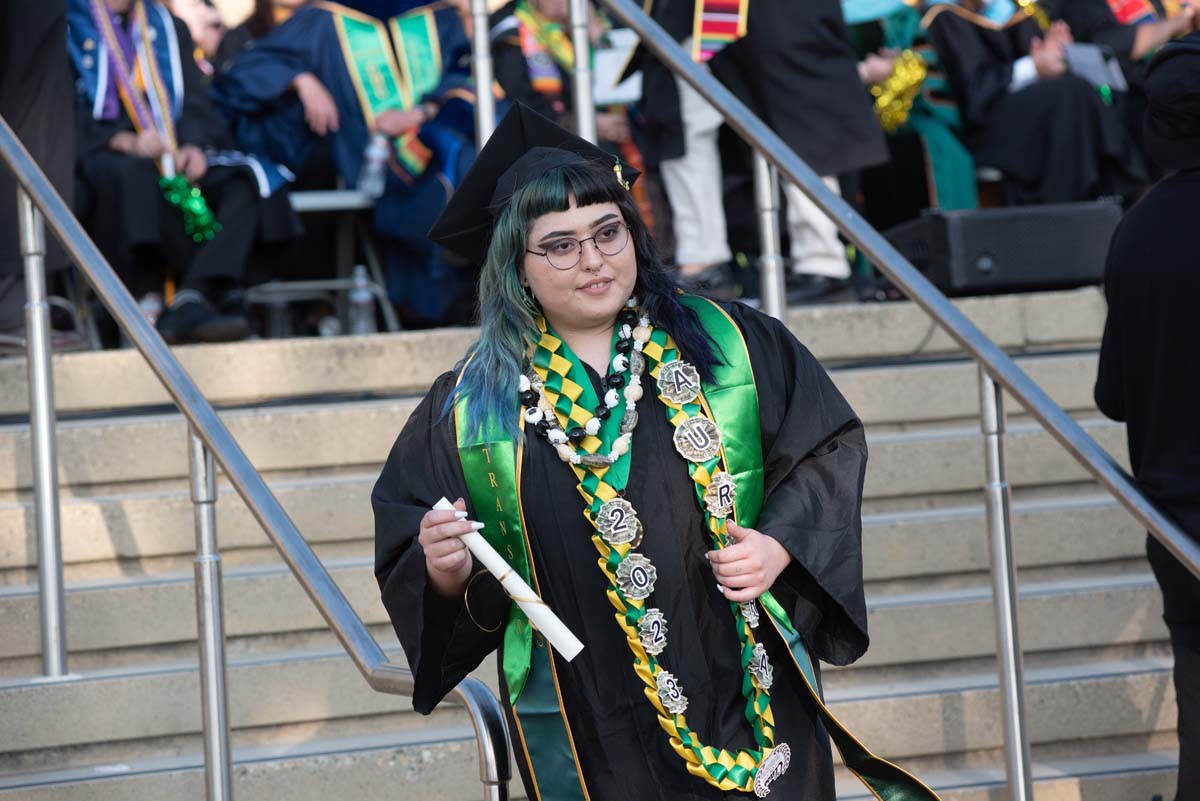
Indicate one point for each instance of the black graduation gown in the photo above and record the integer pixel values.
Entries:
(814, 459)
(123, 208)
(794, 69)
(36, 87)
(1148, 378)
(1055, 140)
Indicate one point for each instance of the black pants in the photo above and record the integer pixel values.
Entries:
(123, 208)
(1181, 611)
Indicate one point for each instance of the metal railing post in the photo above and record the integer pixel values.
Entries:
(482, 73)
(770, 261)
(1004, 591)
(42, 433)
(581, 75)
(210, 625)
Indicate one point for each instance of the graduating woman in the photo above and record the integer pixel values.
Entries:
(698, 449)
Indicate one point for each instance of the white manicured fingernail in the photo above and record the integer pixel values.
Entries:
(460, 515)
(722, 589)
(476, 526)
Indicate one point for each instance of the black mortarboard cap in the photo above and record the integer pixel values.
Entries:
(523, 147)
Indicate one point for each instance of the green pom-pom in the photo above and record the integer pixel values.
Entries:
(198, 219)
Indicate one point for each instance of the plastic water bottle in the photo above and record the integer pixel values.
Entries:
(371, 179)
(362, 303)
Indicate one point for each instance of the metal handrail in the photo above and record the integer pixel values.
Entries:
(382, 675)
(914, 285)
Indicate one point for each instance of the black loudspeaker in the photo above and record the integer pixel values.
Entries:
(1013, 249)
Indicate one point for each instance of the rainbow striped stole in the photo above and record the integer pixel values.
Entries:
(718, 23)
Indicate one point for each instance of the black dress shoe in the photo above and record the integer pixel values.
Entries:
(716, 282)
(806, 288)
(193, 320)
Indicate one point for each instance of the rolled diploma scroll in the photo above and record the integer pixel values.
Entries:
(534, 607)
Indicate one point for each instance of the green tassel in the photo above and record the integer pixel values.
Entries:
(198, 219)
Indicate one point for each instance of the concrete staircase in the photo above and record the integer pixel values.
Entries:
(318, 417)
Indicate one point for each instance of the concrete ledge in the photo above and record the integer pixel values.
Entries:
(1054, 616)
(949, 460)
(1108, 699)
(141, 525)
(1060, 531)
(1116, 777)
(936, 626)
(360, 434)
(151, 611)
(409, 361)
(152, 447)
(950, 390)
(901, 719)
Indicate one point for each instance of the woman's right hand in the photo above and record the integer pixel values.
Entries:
(320, 112)
(447, 560)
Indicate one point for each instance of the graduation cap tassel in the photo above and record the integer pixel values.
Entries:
(198, 218)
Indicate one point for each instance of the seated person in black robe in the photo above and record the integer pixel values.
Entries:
(298, 87)
(1141, 29)
(578, 385)
(1050, 133)
(119, 160)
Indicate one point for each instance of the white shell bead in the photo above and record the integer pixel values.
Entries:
(533, 415)
(633, 393)
(626, 332)
(592, 426)
(620, 363)
(641, 333)
(523, 383)
(556, 436)
(621, 446)
(611, 399)
(576, 458)
(564, 452)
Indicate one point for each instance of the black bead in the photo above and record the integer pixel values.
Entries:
(624, 345)
(529, 398)
(627, 317)
(602, 412)
(576, 435)
(543, 427)
(615, 380)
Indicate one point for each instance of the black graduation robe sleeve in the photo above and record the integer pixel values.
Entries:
(443, 639)
(814, 463)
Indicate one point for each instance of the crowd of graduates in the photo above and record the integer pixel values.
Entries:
(191, 135)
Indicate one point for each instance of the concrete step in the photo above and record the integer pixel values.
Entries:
(124, 531)
(1114, 777)
(1054, 616)
(409, 361)
(951, 624)
(900, 719)
(350, 436)
(443, 763)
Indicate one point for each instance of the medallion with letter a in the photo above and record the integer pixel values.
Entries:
(678, 382)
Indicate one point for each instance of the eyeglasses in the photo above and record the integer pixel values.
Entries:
(565, 253)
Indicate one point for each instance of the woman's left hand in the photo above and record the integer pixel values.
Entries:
(748, 568)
